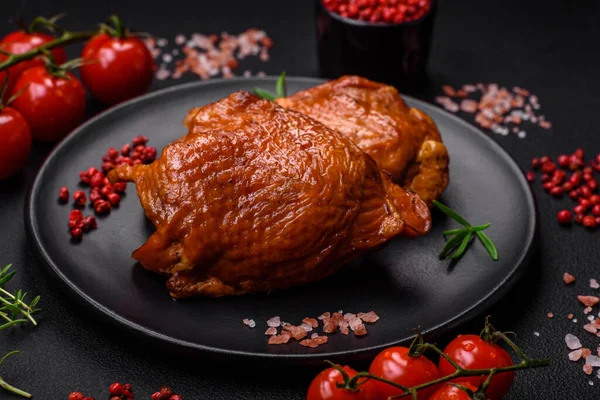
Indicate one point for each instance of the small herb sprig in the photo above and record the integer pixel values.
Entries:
(5, 385)
(13, 308)
(459, 239)
(280, 90)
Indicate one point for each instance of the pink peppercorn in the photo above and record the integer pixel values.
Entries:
(79, 198)
(97, 180)
(63, 194)
(120, 187)
(114, 199)
(76, 233)
(564, 217)
(102, 206)
(589, 221)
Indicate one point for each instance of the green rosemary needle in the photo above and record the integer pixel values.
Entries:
(459, 239)
(13, 308)
(280, 88)
(4, 385)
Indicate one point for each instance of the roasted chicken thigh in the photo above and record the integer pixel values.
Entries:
(404, 141)
(257, 197)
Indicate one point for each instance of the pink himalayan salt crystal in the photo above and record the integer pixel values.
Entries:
(274, 322)
(249, 322)
(344, 330)
(575, 355)
(585, 352)
(329, 326)
(271, 331)
(443, 100)
(451, 106)
(591, 328)
(314, 335)
(323, 316)
(360, 330)
(572, 341)
(469, 106)
(298, 332)
(279, 339)
(306, 327)
(314, 342)
(588, 300)
(568, 278)
(311, 321)
(587, 368)
(594, 284)
(369, 317)
(587, 310)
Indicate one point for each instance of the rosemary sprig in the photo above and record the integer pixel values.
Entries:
(460, 239)
(13, 308)
(4, 385)
(418, 347)
(280, 88)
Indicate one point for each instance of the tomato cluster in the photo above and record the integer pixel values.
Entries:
(400, 366)
(44, 101)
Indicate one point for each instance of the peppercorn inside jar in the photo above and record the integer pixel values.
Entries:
(383, 40)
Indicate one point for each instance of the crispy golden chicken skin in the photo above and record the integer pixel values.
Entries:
(404, 141)
(257, 197)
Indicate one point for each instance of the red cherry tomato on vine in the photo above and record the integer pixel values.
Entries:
(472, 352)
(20, 42)
(324, 387)
(396, 365)
(449, 392)
(15, 142)
(116, 69)
(52, 105)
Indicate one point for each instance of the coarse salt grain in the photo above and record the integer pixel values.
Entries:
(593, 360)
(591, 383)
(575, 355)
(180, 39)
(570, 316)
(574, 320)
(167, 57)
(536, 333)
(568, 278)
(370, 317)
(311, 321)
(274, 322)
(588, 300)
(585, 352)
(587, 310)
(572, 341)
(550, 315)
(314, 335)
(162, 42)
(590, 328)
(279, 339)
(594, 284)
(249, 322)
(587, 368)
(306, 327)
(271, 331)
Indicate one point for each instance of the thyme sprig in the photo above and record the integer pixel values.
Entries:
(13, 308)
(460, 239)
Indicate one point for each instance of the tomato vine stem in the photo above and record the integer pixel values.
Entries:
(65, 39)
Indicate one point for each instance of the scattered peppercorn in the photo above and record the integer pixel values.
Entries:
(63, 194)
(564, 217)
(76, 396)
(580, 185)
(102, 194)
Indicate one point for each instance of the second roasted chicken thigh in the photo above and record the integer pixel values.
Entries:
(404, 141)
(258, 197)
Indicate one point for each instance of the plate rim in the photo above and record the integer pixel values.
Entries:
(491, 298)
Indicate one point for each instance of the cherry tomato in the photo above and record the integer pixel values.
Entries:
(21, 42)
(324, 387)
(472, 352)
(117, 69)
(396, 365)
(449, 392)
(52, 105)
(15, 142)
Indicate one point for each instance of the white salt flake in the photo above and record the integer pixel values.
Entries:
(594, 284)
(274, 322)
(175, 52)
(167, 58)
(536, 333)
(574, 320)
(314, 335)
(306, 327)
(591, 383)
(521, 134)
(251, 323)
(593, 360)
(179, 39)
(591, 318)
(162, 42)
(572, 341)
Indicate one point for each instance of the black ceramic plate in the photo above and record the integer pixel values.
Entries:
(405, 282)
